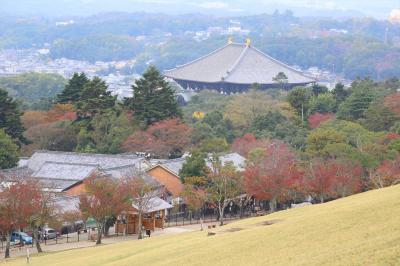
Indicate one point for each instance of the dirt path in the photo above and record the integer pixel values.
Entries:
(61, 244)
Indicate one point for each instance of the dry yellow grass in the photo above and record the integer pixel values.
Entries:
(363, 229)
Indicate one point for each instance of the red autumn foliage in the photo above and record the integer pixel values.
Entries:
(392, 101)
(103, 197)
(315, 120)
(247, 143)
(333, 178)
(273, 174)
(163, 139)
(387, 174)
(392, 136)
(19, 201)
(61, 112)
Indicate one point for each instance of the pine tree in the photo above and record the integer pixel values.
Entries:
(73, 90)
(8, 151)
(94, 99)
(10, 118)
(153, 99)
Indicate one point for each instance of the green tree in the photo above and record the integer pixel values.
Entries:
(95, 98)
(281, 79)
(378, 117)
(73, 90)
(8, 151)
(195, 165)
(340, 93)
(362, 94)
(10, 118)
(153, 99)
(323, 103)
(299, 99)
(214, 145)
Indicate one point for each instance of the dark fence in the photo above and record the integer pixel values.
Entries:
(188, 217)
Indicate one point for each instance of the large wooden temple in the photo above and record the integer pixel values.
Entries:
(235, 68)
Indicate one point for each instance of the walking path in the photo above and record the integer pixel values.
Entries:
(52, 246)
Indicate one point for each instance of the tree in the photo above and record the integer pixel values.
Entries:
(387, 174)
(108, 131)
(104, 198)
(340, 93)
(8, 151)
(299, 99)
(321, 176)
(45, 213)
(247, 143)
(10, 118)
(224, 185)
(214, 145)
(73, 90)
(195, 165)
(141, 194)
(271, 173)
(323, 103)
(153, 99)
(95, 98)
(164, 139)
(378, 117)
(362, 94)
(19, 201)
(244, 108)
(315, 120)
(281, 79)
(193, 194)
(328, 178)
(392, 101)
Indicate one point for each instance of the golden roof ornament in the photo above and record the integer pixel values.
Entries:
(248, 41)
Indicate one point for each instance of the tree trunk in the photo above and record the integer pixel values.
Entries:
(36, 239)
(302, 113)
(272, 204)
(140, 235)
(221, 214)
(8, 240)
(99, 233)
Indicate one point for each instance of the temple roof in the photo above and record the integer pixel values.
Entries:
(238, 64)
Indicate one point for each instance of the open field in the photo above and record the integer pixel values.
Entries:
(363, 229)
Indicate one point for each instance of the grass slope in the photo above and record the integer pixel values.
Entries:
(363, 229)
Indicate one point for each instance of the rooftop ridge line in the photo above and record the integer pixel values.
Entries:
(202, 57)
(238, 60)
(89, 154)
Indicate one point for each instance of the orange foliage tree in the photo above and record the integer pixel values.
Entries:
(272, 174)
(104, 198)
(387, 174)
(315, 120)
(20, 200)
(247, 143)
(167, 138)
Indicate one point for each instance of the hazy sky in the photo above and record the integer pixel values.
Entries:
(377, 8)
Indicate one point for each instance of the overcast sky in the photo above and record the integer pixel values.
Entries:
(376, 8)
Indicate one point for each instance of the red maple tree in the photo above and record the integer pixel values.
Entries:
(392, 101)
(272, 175)
(315, 120)
(20, 199)
(247, 143)
(387, 174)
(104, 198)
(167, 138)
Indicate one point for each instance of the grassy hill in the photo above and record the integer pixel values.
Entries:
(359, 230)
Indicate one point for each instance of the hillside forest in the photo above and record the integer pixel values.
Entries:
(332, 143)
